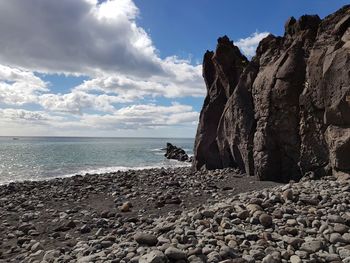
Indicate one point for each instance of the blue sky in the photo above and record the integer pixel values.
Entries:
(121, 67)
(191, 27)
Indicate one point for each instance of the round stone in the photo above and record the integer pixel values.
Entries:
(265, 220)
(146, 239)
(125, 207)
(295, 259)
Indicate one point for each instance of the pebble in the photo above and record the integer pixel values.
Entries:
(174, 253)
(288, 195)
(125, 207)
(265, 220)
(295, 259)
(311, 246)
(155, 256)
(146, 239)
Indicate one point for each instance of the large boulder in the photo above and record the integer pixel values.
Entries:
(287, 111)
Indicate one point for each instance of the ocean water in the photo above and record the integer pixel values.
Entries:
(37, 158)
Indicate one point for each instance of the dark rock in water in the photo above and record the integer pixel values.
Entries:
(176, 153)
(287, 111)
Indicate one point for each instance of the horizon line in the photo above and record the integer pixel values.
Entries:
(107, 137)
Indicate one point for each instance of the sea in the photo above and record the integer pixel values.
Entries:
(41, 158)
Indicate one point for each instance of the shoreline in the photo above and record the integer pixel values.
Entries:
(103, 171)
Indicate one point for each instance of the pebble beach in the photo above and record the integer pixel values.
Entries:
(174, 215)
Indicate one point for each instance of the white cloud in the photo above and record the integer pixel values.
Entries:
(248, 45)
(76, 102)
(18, 87)
(79, 36)
(131, 117)
(17, 75)
(83, 37)
(187, 82)
(25, 116)
(144, 116)
(100, 40)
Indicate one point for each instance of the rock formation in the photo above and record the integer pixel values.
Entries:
(176, 153)
(285, 113)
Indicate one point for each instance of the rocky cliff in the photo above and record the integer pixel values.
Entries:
(285, 113)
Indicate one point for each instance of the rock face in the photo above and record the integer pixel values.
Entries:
(286, 113)
(176, 153)
(221, 71)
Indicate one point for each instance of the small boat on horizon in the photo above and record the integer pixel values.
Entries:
(15, 138)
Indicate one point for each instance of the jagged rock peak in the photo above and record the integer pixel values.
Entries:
(224, 40)
(221, 72)
(284, 114)
(305, 22)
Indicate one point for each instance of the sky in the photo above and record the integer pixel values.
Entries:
(122, 68)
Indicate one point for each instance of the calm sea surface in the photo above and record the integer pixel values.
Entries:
(36, 158)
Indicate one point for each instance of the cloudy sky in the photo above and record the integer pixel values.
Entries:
(121, 67)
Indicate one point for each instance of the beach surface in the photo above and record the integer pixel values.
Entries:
(175, 215)
(61, 212)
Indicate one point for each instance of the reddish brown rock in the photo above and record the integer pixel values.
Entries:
(274, 116)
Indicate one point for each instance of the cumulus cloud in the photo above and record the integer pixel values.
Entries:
(100, 40)
(77, 36)
(130, 117)
(76, 102)
(149, 115)
(248, 45)
(88, 37)
(18, 87)
(186, 83)
(84, 37)
(20, 116)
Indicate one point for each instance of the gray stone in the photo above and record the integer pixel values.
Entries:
(335, 238)
(288, 194)
(312, 246)
(154, 256)
(175, 253)
(37, 246)
(335, 219)
(344, 253)
(295, 259)
(145, 239)
(340, 228)
(243, 214)
(265, 220)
